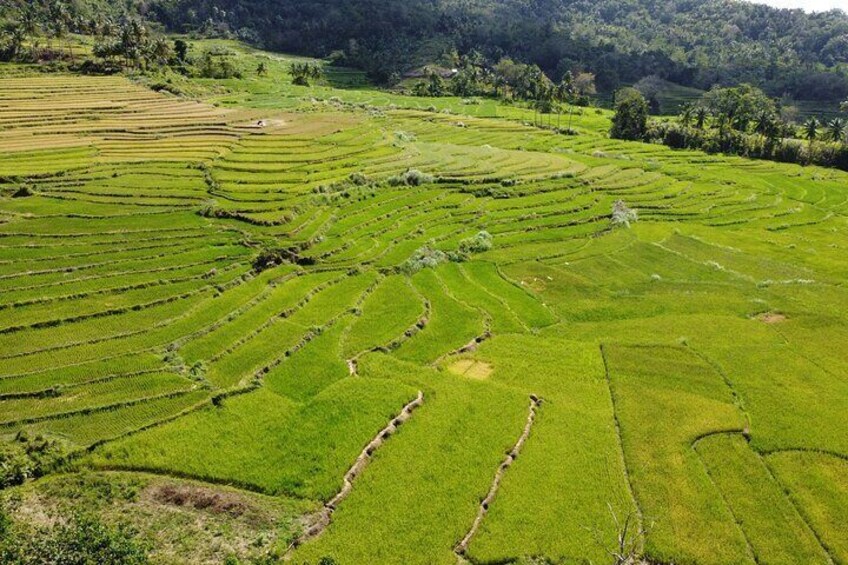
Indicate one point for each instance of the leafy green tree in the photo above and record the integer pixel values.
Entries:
(737, 107)
(631, 115)
(433, 87)
(218, 64)
(181, 51)
(584, 85)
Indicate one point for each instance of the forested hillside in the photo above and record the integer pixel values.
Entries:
(692, 42)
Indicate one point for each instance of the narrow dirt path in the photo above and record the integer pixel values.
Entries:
(462, 547)
(321, 519)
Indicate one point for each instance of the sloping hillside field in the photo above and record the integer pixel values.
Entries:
(255, 298)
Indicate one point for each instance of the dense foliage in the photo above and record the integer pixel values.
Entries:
(81, 540)
(740, 120)
(689, 42)
(631, 115)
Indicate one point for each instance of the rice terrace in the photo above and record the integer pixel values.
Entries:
(264, 310)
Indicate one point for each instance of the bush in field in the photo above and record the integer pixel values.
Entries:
(412, 177)
(79, 540)
(26, 458)
(622, 215)
(24, 191)
(209, 209)
(478, 244)
(426, 257)
(404, 137)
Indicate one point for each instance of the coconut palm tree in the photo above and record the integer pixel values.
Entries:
(28, 22)
(14, 34)
(701, 115)
(811, 130)
(836, 129)
(765, 124)
(686, 115)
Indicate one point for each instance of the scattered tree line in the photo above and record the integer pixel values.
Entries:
(740, 120)
(40, 30)
(473, 75)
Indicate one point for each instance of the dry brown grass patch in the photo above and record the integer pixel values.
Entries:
(772, 318)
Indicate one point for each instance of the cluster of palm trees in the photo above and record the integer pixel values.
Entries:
(747, 110)
(303, 73)
(131, 44)
(472, 75)
(52, 20)
(127, 41)
(834, 130)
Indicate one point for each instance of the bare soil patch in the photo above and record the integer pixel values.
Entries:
(200, 498)
(772, 318)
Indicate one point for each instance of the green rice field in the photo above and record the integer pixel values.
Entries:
(680, 384)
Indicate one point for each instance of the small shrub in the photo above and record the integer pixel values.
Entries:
(412, 177)
(358, 179)
(404, 137)
(622, 215)
(26, 458)
(426, 257)
(480, 243)
(270, 258)
(23, 192)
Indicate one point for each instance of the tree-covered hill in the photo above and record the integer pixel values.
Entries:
(696, 43)
(692, 42)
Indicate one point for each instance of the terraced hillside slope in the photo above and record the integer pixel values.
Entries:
(233, 295)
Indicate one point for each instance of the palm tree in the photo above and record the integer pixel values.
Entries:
(28, 23)
(686, 115)
(836, 129)
(811, 130)
(159, 51)
(16, 37)
(567, 85)
(701, 116)
(765, 124)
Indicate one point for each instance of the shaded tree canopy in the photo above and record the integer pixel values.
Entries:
(631, 115)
